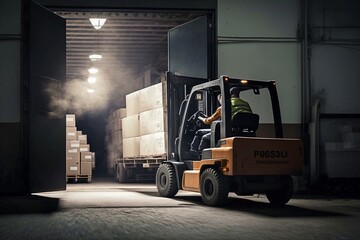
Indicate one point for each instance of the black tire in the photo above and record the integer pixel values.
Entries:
(166, 180)
(214, 187)
(120, 173)
(281, 196)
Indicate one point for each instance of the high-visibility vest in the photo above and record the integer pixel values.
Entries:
(239, 105)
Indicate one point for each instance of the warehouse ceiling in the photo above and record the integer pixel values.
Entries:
(134, 41)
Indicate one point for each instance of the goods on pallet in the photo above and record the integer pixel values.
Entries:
(79, 159)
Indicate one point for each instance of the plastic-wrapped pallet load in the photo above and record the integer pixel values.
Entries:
(144, 134)
(152, 97)
(114, 143)
(153, 144)
(131, 147)
(132, 104)
(76, 148)
(153, 121)
(131, 126)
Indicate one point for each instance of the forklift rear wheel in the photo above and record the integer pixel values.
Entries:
(166, 180)
(283, 195)
(214, 187)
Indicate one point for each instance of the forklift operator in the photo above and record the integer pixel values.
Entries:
(237, 105)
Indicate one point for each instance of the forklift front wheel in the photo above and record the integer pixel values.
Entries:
(214, 187)
(166, 180)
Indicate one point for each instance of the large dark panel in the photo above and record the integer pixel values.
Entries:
(11, 167)
(46, 123)
(189, 53)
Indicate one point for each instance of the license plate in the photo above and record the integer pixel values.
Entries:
(146, 165)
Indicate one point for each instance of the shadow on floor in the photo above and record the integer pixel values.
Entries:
(28, 204)
(265, 209)
(259, 208)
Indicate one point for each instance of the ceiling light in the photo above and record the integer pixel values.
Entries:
(92, 80)
(90, 90)
(95, 57)
(93, 70)
(97, 22)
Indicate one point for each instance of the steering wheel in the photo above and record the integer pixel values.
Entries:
(194, 120)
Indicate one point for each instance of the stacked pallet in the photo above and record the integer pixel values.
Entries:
(113, 139)
(144, 127)
(79, 160)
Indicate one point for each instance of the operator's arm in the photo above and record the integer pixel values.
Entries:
(212, 118)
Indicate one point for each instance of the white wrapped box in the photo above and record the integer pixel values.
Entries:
(120, 113)
(131, 147)
(131, 126)
(118, 136)
(132, 103)
(117, 124)
(153, 144)
(152, 97)
(153, 121)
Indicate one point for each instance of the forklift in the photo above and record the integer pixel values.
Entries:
(237, 160)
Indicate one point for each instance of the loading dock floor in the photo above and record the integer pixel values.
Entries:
(108, 210)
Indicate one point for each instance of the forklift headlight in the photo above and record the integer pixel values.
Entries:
(244, 81)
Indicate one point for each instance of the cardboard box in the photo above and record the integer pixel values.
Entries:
(82, 139)
(72, 144)
(78, 133)
(72, 151)
(131, 126)
(70, 120)
(152, 97)
(84, 148)
(131, 147)
(132, 104)
(153, 121)
(72, 167)
(86, 168)
(85, 156)
(153, 144)
(71, 133)
(93, 160)
(120, 113)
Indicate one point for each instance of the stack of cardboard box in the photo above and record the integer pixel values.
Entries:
(153, 125)
(79, 159)
(144, 127)
(131, 130)
(113, 139)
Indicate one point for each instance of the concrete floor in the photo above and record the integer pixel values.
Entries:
(108, 210)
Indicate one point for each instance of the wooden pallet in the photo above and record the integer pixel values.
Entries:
(79, 178)
(156, 159)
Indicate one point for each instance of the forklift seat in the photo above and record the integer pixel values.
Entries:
(245, 124)
(215, 133)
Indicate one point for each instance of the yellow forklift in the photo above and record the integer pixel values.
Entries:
(237, 160)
